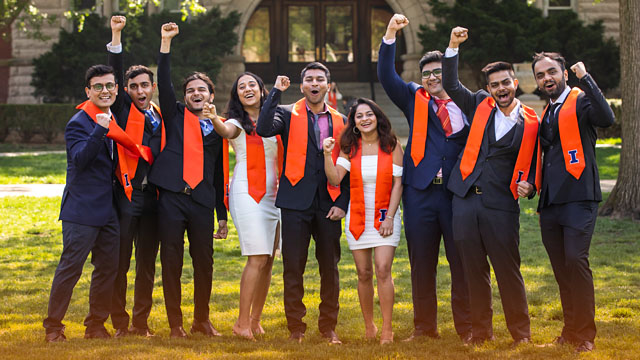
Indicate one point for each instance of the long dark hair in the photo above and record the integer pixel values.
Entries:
(349, 138)
(235, 110)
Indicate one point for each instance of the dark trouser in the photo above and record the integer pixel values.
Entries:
(297, 229)
(140, 229)
(78, 240)
(480, 232)
(427, 218)
(176, 213)
(566, 234)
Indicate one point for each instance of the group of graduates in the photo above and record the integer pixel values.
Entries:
(142, 174)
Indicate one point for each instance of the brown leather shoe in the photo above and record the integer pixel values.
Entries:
(479, 340)
(55, 336)
(205, 328)
(421, 334)
(332, 337)
(178, 332)
(141, 332)
(121, 333)
(585, 346)
(97, 334)
(297, 336)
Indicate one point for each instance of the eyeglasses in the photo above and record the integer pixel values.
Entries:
(98, 87)
(435, 72)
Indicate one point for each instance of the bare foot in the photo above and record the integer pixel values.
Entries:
(244, 333)
(256, 328)
(386, 338)
(371, 332)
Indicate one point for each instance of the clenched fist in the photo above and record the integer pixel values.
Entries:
(282, 83)
(579, 69)
(328, 144)
(458, 36)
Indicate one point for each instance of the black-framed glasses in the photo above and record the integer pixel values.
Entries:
(98, 87)
(435, 72)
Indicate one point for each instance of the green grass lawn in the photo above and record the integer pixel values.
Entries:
(30, 246)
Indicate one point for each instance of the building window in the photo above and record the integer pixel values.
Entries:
(557, 5)
(256, 43)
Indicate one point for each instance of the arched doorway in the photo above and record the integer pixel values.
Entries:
(281, 36)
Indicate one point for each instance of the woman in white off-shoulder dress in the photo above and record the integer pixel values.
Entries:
(369, 142)
(255, 217)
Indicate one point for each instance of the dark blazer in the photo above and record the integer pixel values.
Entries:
(558, 186)
(120, 109)
(276, 120)
(88, 194)
(441, 152)
(166, 171)
(494, 167)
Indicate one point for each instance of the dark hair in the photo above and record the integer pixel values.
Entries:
(97, 70)
(429, 57)
(198, 76)
(349, 138)
(136, 70)
(235, 110)
(497, 66)
(551, 55)
(315, 66)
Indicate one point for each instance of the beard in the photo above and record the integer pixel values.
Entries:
(558, 90)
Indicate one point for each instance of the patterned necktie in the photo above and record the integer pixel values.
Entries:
(152, 119)
(207, 126)
(443, 115)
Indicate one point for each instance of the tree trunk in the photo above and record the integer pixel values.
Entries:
(624, 200)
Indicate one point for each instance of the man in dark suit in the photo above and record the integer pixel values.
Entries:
(570, 193)
(88, 213)
(497, 166)
(308, 208)
(136, 198)
(188, 173)
(436, 138)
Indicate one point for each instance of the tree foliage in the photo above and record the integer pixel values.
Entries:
(25, 15)
(202, 42)
(513, 31)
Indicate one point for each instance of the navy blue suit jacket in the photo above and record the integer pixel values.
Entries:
(440, 151)
(88, 194)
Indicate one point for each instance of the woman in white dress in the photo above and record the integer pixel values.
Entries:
(252, 196)
(371, 153)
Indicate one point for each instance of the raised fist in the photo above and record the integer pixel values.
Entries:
(282, 83)
(118, 22)
(103, 120)
(579, 69)
(169, 30)
(328, 144)
(458, 36)
(209, 111)
(397, 22)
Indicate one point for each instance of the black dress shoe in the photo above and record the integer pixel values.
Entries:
(205, 328)
(55, 336)
(141, 332)
(296, 336)
(97, 334)
(332, 337)
(121, 333)
(418, 334)
(520, 341)
(479, 340)
(585, 346)
(178, 332)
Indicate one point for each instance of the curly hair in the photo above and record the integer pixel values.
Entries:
(235, 110)
(349, 139)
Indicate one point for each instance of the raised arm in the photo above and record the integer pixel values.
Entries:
(115, 60)
(271, 121)
(599, 112)
(335, 173)
(398, 91)
(463, 97)
(226, 130)
(166, 93)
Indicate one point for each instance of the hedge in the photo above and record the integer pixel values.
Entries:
(47, 120)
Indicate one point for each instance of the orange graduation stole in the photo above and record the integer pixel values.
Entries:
(297, 144)
(570, 135)
(127, 147)
(384, 184)
(420, 124)
(332, 99)
(525, 154)
(192, 150)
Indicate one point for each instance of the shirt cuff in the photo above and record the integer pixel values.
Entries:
(450, 52)
(389, 42)
(114, 49)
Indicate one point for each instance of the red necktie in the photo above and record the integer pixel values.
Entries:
(443, 115)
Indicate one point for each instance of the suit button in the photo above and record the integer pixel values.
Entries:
(551, 147)
(444, 158)
(318, 172)
(548, 164)
(446, 140)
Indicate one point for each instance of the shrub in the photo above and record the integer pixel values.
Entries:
(47, 120)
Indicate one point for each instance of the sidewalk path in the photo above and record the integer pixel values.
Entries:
(31, 153)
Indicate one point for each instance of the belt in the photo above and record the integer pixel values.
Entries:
(187, 190)
(437, 181)
(476, 189)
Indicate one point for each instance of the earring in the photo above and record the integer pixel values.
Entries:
(355, 130)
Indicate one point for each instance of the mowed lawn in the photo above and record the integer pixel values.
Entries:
(30, 246)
